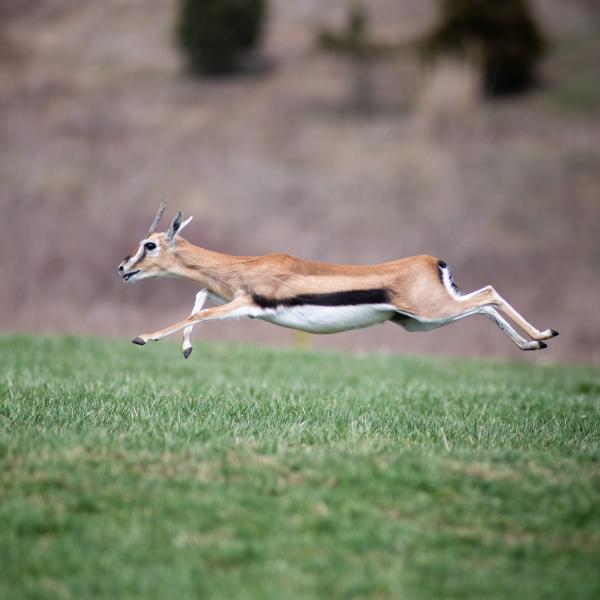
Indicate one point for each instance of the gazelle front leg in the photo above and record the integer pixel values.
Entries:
(243, 306)
(187, 332)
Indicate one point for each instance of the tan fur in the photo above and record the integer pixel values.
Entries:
(413, 284)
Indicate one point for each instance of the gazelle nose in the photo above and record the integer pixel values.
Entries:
(121, 267)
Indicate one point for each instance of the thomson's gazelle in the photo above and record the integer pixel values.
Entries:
(416, 292)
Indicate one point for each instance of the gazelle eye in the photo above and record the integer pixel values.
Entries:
(149, 245)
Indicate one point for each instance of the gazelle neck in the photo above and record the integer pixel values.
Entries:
(217, 272)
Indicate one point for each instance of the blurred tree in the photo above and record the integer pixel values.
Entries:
(215, 34)
(501, 34)
(354, 42)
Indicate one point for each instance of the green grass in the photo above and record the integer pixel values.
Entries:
(574, 75)
(252, 473)
(582, 95)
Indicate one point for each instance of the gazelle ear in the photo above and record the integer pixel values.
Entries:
(186, 222)
(177, 226)
(174, 226)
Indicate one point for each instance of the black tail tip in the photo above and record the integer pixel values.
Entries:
(139, 341)
(542, 345)
(187, 352)
(554, 332)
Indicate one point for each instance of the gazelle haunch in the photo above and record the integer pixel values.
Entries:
(417, 292)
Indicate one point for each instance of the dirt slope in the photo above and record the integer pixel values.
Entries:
(98, 122)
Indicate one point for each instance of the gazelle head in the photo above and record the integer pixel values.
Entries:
(153, 256)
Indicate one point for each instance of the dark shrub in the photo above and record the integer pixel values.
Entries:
(502, 34)
(214, 34)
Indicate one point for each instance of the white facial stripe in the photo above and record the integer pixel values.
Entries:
(138, 255)
(141, 252)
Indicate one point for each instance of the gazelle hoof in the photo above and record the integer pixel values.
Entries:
(542, 345)
(554, 332)
(187, 352)
(139, 341)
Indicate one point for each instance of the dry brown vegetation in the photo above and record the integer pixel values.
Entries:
(98, 122)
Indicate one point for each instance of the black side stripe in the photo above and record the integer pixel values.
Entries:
(346, 298)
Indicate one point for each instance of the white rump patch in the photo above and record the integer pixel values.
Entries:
(448, 283)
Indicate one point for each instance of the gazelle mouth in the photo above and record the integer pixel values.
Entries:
(128, 276)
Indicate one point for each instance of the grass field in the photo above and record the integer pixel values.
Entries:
(253, 473)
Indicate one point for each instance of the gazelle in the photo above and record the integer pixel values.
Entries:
(417, 292)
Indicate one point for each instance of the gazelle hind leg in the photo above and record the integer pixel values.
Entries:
(493, 315)
(489, 296)
(412, 323)
(511, 313)
(187, 332)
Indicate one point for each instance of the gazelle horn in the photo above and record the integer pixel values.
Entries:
(159, 214)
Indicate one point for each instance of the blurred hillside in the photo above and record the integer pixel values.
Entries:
(99, 121)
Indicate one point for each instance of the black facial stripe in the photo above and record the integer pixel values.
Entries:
(345, 298)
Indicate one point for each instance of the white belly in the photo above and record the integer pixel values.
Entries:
(329, 319)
